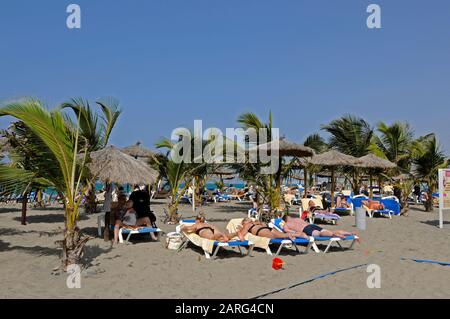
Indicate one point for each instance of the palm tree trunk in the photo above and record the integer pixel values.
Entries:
(73, 243)
(23, 219)
(333, 186)
(430, 204)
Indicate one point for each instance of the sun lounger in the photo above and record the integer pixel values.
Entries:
(133, 231)
(391, 204)
(341, 211)
(277, 224)
(125, 231)
(211, 247)
(325, 217)
(265, 243)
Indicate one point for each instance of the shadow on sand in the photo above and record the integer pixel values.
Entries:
(434, 223)
(47, 219)
(35, 250)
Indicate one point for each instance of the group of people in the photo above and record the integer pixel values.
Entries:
(294, 227)
(133, 212)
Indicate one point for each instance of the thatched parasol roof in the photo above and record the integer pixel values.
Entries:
(333, 158)
(111, 164)
(373, 161)
(137, 150)
(287, 148)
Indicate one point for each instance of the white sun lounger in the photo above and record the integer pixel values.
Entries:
(125, 231)
(331, 240)
(192, 238)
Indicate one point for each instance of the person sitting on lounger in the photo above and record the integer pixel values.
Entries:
(341, 202)
(258, 228)
(127, 217)
(297, 225)
(207, 231)
(373, 204)
(124, 215)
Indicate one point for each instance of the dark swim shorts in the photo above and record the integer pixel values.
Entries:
(308, 230)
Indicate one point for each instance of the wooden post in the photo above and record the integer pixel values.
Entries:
(370, 183)
(333, 185)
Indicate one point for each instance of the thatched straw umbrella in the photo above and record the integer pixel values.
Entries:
(138, 151)
(332, 159)
(112, 165)
(285, 148)
(371, 162)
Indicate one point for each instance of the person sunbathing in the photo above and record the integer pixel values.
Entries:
(312, 208)
(207, 231)
(258, 228)
(373, 204)
(297, 225)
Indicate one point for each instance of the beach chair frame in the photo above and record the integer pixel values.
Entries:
(330, 240)
(125, 231)
(287, 243)
(129, 232)
(217, 245)
(372, 212)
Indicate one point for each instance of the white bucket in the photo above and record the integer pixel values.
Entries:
(174, 241)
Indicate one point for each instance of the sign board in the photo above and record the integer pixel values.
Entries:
(444, 194)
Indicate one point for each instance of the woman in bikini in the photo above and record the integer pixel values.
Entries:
(207, 231)
(373, 204)
(258, 228)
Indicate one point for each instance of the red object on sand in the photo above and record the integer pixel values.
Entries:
(277, 264)
(304, 215)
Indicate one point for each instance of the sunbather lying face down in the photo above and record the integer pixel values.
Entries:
(207, 231)
(298, 225)
(260, 229)
(373, 204)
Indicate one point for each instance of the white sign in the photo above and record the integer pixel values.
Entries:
(444, 194)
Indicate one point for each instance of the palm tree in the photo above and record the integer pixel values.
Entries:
(268, 186)
(59, 141)
(352, 136)
(180, 174)
(395, 143)
(427, 164)
(25, 164)
(95, 131)
(318, 144)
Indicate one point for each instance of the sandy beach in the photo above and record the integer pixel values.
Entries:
(144, 269)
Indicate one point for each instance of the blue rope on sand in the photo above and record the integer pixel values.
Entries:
(428, 261)
(307, 281)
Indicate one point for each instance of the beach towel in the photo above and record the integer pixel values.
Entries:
(260, 242)
(206, 244)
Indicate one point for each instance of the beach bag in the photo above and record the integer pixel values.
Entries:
(174, 241)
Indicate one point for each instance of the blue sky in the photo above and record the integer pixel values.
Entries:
(171, 62)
